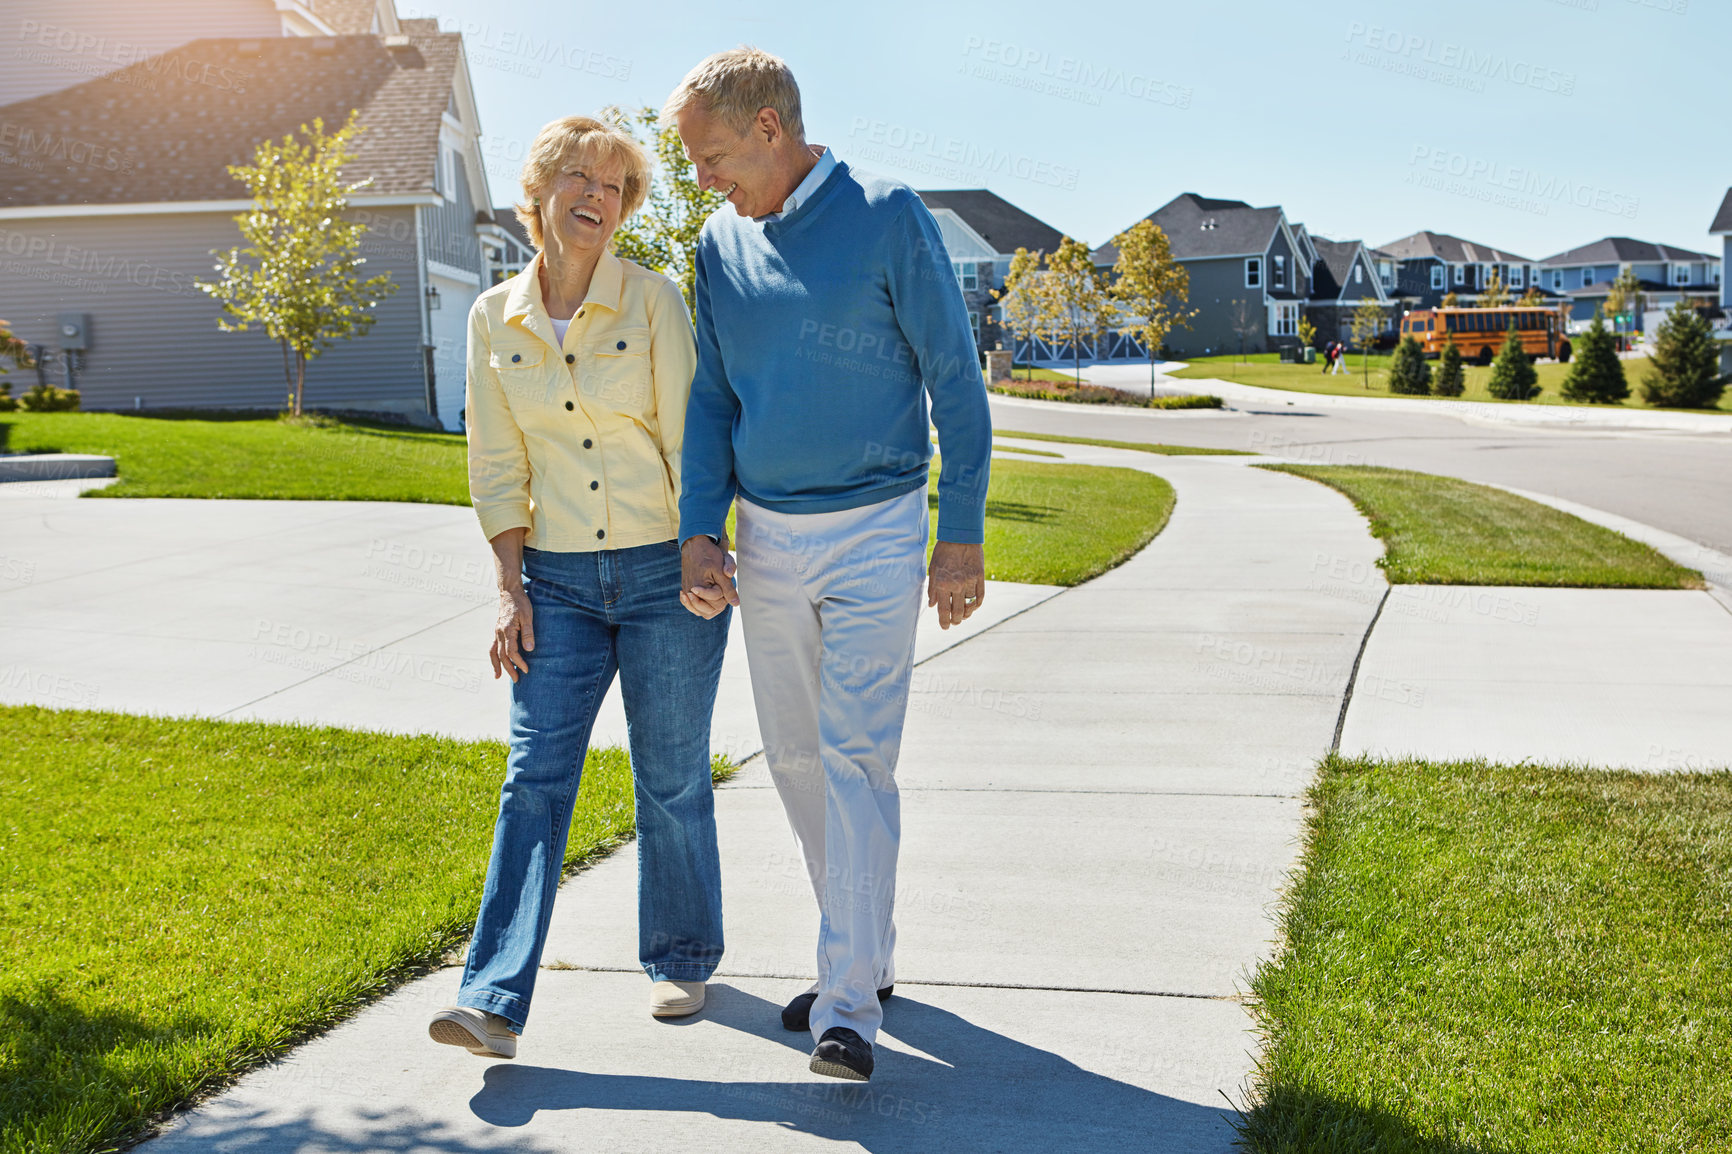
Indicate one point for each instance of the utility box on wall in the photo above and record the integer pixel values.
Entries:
(74, 331)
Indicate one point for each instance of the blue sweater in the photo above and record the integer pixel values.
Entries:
(820, 337)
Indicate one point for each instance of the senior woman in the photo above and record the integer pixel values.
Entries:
(579, 370)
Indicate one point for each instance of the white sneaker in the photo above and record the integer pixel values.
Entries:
(670, 999)
(477, 1031)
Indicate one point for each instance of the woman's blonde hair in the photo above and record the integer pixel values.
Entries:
(585, 138)
(733, 85)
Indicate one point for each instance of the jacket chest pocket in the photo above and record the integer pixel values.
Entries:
(523, 374)
(617, 370)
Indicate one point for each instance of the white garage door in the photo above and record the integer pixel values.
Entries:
(450, 346)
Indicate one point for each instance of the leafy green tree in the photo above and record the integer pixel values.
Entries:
(1449, 380)
(1450, 300)
(1685, 365)
(1150, 288)
(1367, 323)
(1597, 375)
(1494, 295)
(1624, 297)
(1409, 375)
(1079, 300)
(663, 234)
(1024, 298)
(1307, 333)
(1532, 298)
(1513, 377)
(298, 277)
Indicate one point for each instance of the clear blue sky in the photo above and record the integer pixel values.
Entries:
(1531, 125)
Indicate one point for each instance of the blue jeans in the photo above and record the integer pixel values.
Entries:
(596, 614)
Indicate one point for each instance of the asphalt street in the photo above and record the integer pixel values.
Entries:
(1680, 482)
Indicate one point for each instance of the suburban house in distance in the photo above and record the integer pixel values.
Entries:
(1254, 274)
(1428, 266)
(1722, 228)
(982, 232)
(1582, 275)
(115, 192)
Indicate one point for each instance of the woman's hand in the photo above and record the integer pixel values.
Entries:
(513, 633)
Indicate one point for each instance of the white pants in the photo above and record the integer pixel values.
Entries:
(829, 603)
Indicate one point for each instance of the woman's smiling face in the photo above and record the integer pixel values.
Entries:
(580, 207)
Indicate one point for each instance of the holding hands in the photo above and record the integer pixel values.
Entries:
(707, 576)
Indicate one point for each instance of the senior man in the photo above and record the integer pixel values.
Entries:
(827, 313)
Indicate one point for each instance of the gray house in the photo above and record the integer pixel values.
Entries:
(1254, 274)
(1722, 228)
(982, 232)
(114, 192)
(1665, 272)
(1428, 266)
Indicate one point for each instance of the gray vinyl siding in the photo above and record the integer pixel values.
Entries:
(154, 334)
(1216, 287)
(1725, 282)
(451, 235)
(51, 45)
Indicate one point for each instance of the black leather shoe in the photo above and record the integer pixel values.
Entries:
(842, 1053)
(797, 1014)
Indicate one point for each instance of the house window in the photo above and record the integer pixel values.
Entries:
(1280, 272)
(974, 324)
(1460, 274)
(1517, 276)
(1286, 320)
(1358, 274)
(965, 275)
(1587, 277)
(1558, 279)
(1680, 274)
(1385, 273)
(1436, 276)
(1254, 272)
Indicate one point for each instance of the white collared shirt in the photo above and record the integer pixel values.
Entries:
(820, 171)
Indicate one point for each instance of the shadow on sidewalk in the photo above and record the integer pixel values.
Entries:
(978, 1090)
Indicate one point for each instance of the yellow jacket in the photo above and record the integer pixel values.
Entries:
(580, 444)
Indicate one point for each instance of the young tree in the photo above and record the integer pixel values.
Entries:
(1247, 321)
(299, 275)
(1408, 373)
(1533, 298)
(1597, 376)
(1449, 380)
(1494, 295)
(1078, 299)
(1367, 323)
(1685, 366)
(1150, 288)
(1450, 301)
(1307, 333)
(1624, 298)
(1024, 298)
(663, 234)
(1513, 377)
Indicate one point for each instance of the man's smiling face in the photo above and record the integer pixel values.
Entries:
(742, 168)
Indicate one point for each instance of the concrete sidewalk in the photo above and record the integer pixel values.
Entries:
(1101, 802)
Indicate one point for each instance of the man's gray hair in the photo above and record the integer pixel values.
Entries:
(735, 84)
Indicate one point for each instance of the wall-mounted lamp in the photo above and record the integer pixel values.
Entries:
(432, 297)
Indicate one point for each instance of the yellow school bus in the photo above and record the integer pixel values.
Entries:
(1479, 333)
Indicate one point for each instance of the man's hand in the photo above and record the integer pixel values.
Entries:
(707, 577)
(956, 581)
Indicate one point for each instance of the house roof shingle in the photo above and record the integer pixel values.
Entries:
(1622, 250)
(1442, 246)
(1723, 218)
(1001, 223)
(172, 129)
(1199, 227)
(348, 17)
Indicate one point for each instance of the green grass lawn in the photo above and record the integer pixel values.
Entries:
(1139, 446)
(256, 457)
(1482, 959)
(1266, 370)
(1441, 531)
(1022, 373)
(185, 898)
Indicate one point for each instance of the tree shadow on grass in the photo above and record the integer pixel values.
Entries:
(999, 510)
(1290, 1120)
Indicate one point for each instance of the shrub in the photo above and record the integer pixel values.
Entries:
(1098, 395)
(1409, 375)
(8, 402)
(48, 399)
(1597, 375)
(1449, 380)
(1512, 375)
(1685, 372)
